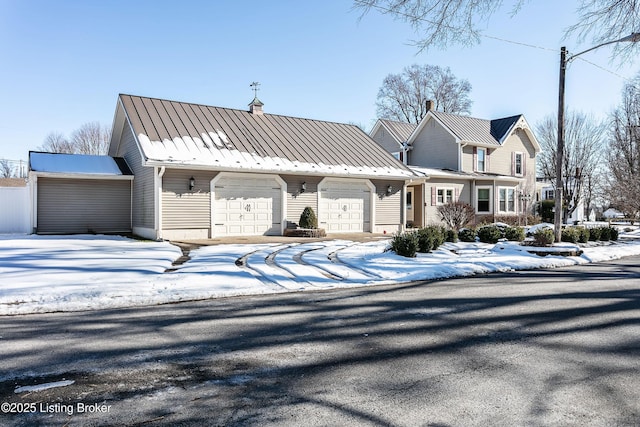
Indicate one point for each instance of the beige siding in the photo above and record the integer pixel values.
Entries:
(183, 208)
(461, 189)
(83, 205)
(467, 159)
(388, 207)
(434, 147)
(143, 192)
(297, 201)
(388, 142)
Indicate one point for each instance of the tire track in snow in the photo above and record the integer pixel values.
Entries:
(261, 262)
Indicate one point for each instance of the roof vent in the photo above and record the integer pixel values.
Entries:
(255, 107)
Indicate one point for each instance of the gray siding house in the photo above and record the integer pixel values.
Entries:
(489, 164)
(203, 171)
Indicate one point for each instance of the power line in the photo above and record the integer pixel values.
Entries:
(414, 18)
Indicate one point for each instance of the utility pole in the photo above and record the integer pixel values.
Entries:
(557, 217)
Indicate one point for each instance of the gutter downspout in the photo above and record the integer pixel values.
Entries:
(159, 173)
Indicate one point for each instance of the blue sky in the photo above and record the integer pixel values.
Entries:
(65, 62)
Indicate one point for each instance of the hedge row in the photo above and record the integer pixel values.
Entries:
(424, 240)
(584, 235)
(491, 234)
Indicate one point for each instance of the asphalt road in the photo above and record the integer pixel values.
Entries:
(538, 348)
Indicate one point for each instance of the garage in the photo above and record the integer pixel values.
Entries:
(75, 193)
(345, 205)
(83, 206)
(247, 205)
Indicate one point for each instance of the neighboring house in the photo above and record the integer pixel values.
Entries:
(546, 192)
(202, 171)
(393, 137)
(489, 164)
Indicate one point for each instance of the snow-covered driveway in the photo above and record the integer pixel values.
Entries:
(68, 273)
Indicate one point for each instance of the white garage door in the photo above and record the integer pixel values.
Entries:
(344, 207)
(247, 206)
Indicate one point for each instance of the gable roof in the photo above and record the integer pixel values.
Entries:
(181, 134)
(400, 131)
(77, 164)
(479, 131)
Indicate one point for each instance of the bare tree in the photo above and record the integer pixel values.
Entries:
(404, 96)
(56, 142)
(90, 138)
(582, 158)
(460, 22)
(456, 214)
(623, 156)
(6, 169)
(604, 20)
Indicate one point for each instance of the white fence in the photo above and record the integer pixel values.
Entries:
(15, 210)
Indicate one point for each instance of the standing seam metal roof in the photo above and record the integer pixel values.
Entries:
(194, 134)
(401, 131)
(490, 132)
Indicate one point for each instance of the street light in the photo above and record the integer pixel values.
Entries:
(564, 60)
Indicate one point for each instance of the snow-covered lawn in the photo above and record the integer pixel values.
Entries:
(68, 273)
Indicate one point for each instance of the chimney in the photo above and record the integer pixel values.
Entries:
(431, 105)
(256, 107)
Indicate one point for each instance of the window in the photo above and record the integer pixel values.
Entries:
(482, 160)
(445, 195)
(507, 200)
(409, 197)
(517, 164)
(484, 199)
(549, 195)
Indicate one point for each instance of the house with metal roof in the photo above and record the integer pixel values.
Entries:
(393, 136)
(489, 164)
(203, 171)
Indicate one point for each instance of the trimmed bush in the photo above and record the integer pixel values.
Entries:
(544, 237)
(514, 234)
(489, 234)
(308, 219)
(605, 234)
(451, 236)
(570, 234)
(614, 233)
(467, 235)
(405, 244)
(594, 234)
(430, 238)
(584, 235)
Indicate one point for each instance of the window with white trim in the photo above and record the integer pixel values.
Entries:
(483, 199)
(444, 196)
(481, 158)
(507, 199)
(518, 164)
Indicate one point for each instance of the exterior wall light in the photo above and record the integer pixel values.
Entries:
(389, 190)
(303, 187)
(192, 183)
